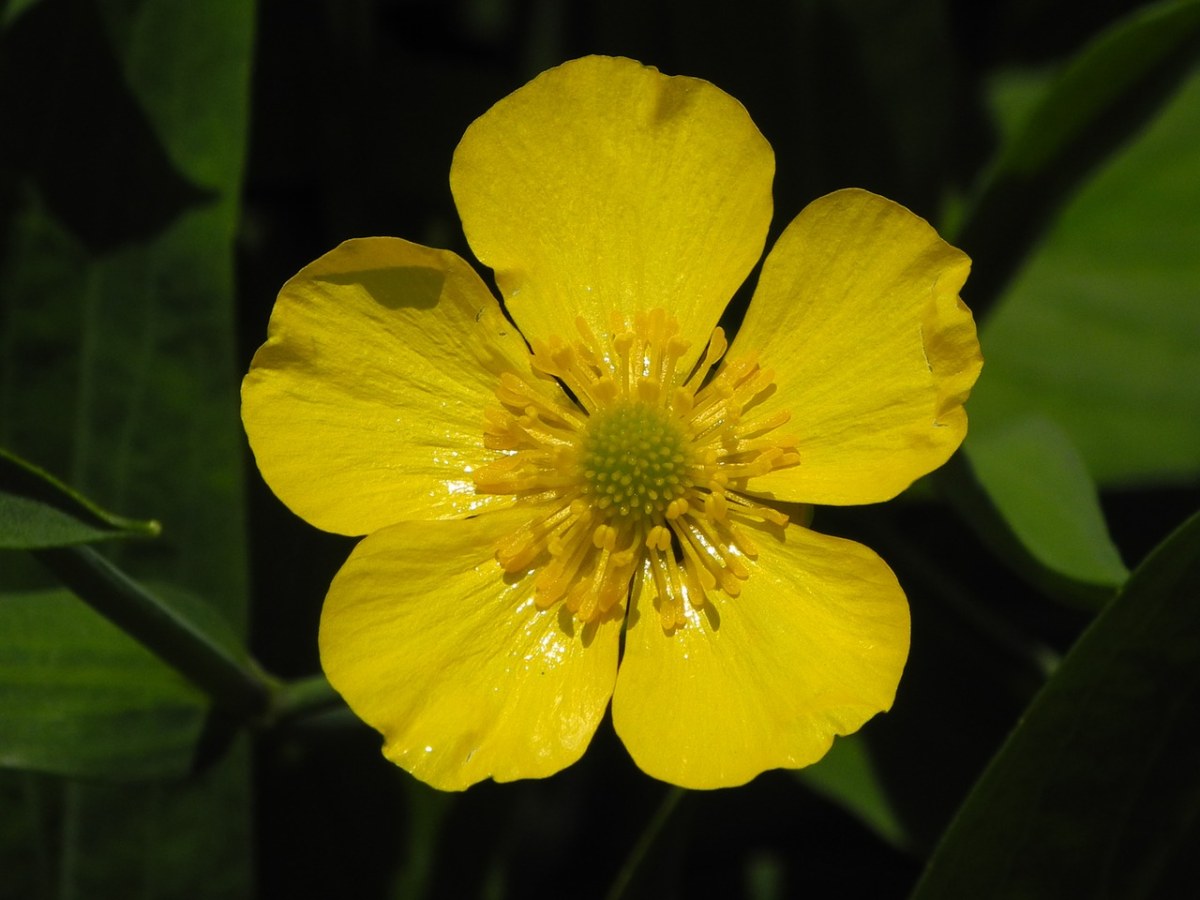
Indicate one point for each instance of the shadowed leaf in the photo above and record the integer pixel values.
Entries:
(1107, 94)
(1096, 793)
(1099, 332)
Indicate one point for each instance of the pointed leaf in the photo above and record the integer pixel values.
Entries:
(1028, 493)
(1096, 793)
(846, 776)
(38, 510)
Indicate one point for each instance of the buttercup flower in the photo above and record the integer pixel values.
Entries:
(580, 504)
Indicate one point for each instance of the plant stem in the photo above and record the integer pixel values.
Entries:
(653, 828)
(233, 685)
(303, 697)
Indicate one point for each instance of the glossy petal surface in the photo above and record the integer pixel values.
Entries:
(604, 185)
(365, 405)
(857, 311)
(465, 677)
(813, 647)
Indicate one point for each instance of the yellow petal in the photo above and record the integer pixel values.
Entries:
(604, 185)
(812, 647)
(366, 404)
(858, 313)
(431, 644)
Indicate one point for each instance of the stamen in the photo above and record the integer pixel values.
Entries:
(640, 469)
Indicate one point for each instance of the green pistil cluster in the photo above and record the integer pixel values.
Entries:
(635, 460)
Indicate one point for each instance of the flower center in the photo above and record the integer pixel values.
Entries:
(636, 466)
(634, 459)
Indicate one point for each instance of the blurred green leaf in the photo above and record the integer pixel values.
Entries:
(38, 510)
(117, 371)
(1096, 793)
(1099, 333)
(79, 697)
(427, 811)
(1028, 494)
(846, 776)
(11, 9)
(1107, 94)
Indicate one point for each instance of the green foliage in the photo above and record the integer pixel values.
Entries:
(1095, 794)
(184, 632)
(1099, 330)
(37, 510)
(1107, 93)
(1028, 494)
(82, 698)
(1044, 490)
(13, 8)
(125, 134)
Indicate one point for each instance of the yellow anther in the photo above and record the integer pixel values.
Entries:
(586, 608)
(717, 343)
(640, 464)
(516, 552)
(605, 389)
(659, 538)
(676, 508)
(737, 565)
(563, 357)
(604, 537)
(744, 543)
(622, 558)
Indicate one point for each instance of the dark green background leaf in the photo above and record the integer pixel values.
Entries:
(117, 373)
(10, 10)
(1097, 794)
(1106, 95)
(1099, 331)
(187, 634)
(79, 697)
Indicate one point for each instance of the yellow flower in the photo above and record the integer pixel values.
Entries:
(578, 508)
